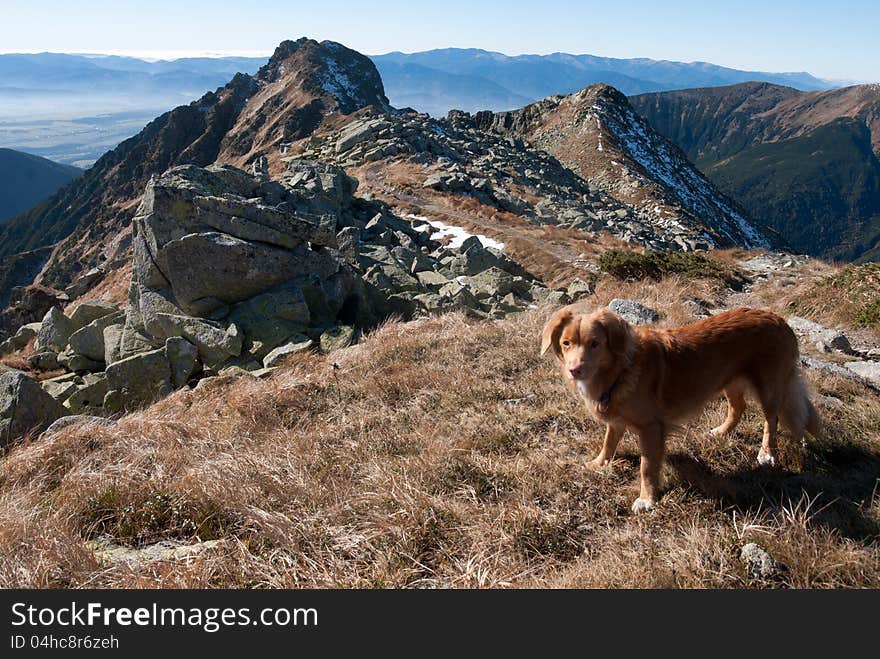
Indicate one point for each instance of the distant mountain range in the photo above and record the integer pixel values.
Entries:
(437, 81)
(63, 84)
(805, 163)
(25, 180)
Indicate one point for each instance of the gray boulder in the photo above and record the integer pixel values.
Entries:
(24, 407)
(142, 378)
(817, 333)
(295, 344)
(90, 396)
(85, 420)
(183, 358)
(20, 339)
(633, 312)
(90, 311)
(89, 341)
(55, 331)
(870, 371)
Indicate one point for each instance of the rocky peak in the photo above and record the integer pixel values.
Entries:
(328, 69)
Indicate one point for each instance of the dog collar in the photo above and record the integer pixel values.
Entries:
(604, 402)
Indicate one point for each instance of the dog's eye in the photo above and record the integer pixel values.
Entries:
(594, 344)
(566, 344)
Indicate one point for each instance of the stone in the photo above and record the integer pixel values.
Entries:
(24, 407)
(759, 564)
(20, 339)
(79, 363)
(634, 312)
(183, 359)
(60, 391)
(55, 330)
(870, 371)
(431, 279)
(44, 361)
(89, 341)
(84, 420)
(90, 396)
(493, 282)
(113, 343)
(142, 378)
(271, 317)
(578, 289)
(815, 333)
(337, 338)
(216, 344)
(90, 311)
(294, 344)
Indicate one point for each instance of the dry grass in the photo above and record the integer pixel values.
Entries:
(441, 453)
(848, 296)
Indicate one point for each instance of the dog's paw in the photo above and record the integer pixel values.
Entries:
(717, 432)
(765, 459)
(598, 463)
(642, 505)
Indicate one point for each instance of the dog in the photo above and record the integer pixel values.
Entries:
(650, 380)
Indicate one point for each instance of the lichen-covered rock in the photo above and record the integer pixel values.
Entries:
(90, 396)
(89, 340)
(759, 564)
(183, 358)
(294, 344)
(634, 312)
(55, 330)
(90, 311)
(20, 339)
(337, 338)
(142, 378)
(24, 407)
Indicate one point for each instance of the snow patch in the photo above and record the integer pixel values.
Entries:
(456, 234)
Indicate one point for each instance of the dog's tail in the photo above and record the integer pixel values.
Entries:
(798, 412)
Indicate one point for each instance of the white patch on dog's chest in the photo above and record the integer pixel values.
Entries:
(582, 389)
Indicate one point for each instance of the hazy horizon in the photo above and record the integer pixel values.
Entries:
(832, 42)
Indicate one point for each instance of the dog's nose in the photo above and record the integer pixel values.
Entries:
(576, 372)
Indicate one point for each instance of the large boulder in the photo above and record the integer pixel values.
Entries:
(89, 341)
(55, 331)
(90, 311)
(141, 379)
(24, 407)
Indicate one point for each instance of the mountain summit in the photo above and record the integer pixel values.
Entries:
(303, 84)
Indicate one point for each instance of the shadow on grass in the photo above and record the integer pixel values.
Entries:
(840, 480)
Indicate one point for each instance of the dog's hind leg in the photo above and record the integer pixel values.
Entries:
(736, 405)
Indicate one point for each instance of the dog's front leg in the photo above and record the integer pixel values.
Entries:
(651, 444)
(613, 434)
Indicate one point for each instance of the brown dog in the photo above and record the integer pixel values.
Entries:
(650, 380)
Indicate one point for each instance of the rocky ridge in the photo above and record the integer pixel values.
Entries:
(507, 173)
(597, 133)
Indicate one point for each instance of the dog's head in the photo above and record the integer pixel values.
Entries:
(586, 343)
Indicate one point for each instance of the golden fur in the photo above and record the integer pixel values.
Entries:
(650, 380)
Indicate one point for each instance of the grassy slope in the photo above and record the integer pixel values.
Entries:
(821, 191)
(442, 453)
(25, 180)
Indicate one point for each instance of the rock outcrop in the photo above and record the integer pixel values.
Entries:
(24, 407)
(232, 273)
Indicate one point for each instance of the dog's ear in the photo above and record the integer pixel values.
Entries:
(553, 328)
(617, 330)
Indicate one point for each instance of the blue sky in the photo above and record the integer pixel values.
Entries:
(829, 39)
